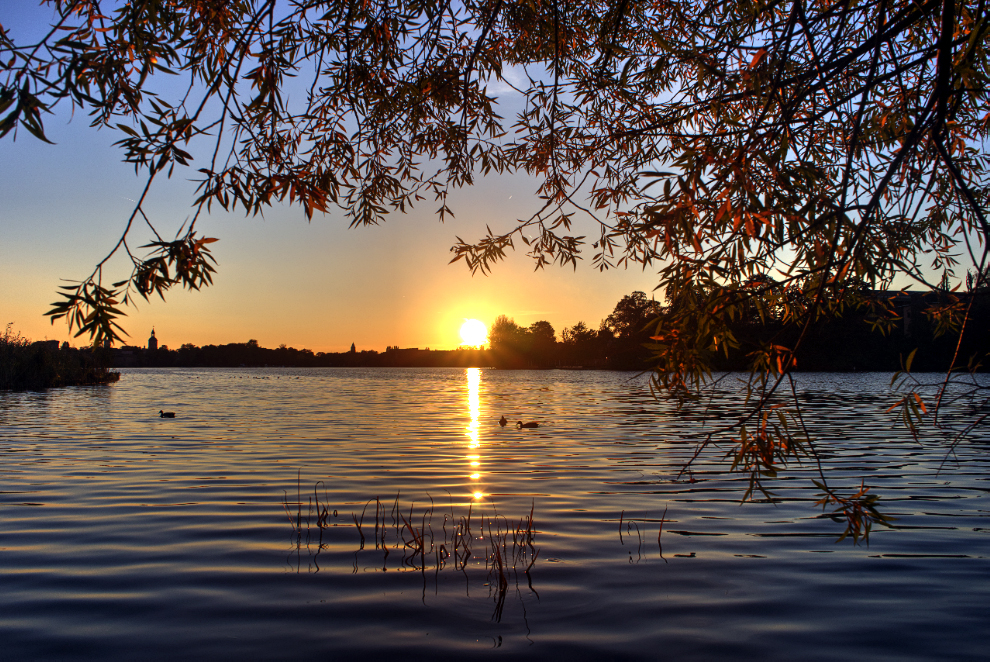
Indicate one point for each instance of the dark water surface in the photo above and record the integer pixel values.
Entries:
(127, 536)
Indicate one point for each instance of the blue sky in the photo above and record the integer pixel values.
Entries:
(280, 279)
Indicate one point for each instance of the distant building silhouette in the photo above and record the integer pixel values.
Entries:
(152, 341)
(353, 348)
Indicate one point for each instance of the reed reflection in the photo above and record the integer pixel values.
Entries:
(481, 544)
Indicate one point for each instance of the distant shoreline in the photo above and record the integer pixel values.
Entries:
(872, 353)
(553, 369)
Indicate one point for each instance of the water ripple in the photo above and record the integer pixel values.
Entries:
(125, 535)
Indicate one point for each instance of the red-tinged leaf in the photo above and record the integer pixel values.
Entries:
(721, 211)
(36, 129)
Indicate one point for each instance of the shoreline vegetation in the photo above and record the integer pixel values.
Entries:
(26, 365)
(859, 341)
(622, 341)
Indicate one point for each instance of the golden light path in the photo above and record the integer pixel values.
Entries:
(473, 429)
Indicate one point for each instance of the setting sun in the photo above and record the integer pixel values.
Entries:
(474, 333)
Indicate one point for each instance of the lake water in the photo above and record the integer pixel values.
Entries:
(231, 531)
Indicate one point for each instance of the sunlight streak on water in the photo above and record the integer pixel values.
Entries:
(474, 405)
(473, 430)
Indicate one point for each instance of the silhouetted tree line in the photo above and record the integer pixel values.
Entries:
(251, 354)
(619, 343)
(875, 332)
(26, 365)
(875, 335)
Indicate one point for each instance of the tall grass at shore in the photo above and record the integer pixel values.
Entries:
(477, 539)
(26, 365)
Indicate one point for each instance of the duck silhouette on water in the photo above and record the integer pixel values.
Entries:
(166, 414)
(531, 424)
(502, 422)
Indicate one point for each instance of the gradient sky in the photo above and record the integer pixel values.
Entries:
(280, 279)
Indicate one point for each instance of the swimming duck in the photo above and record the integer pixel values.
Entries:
(531, 424)
(503, 422)
(166, 414)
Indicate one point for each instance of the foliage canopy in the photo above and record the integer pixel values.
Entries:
(786, 156)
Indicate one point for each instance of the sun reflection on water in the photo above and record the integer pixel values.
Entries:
(473, 430)
(474, 405)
